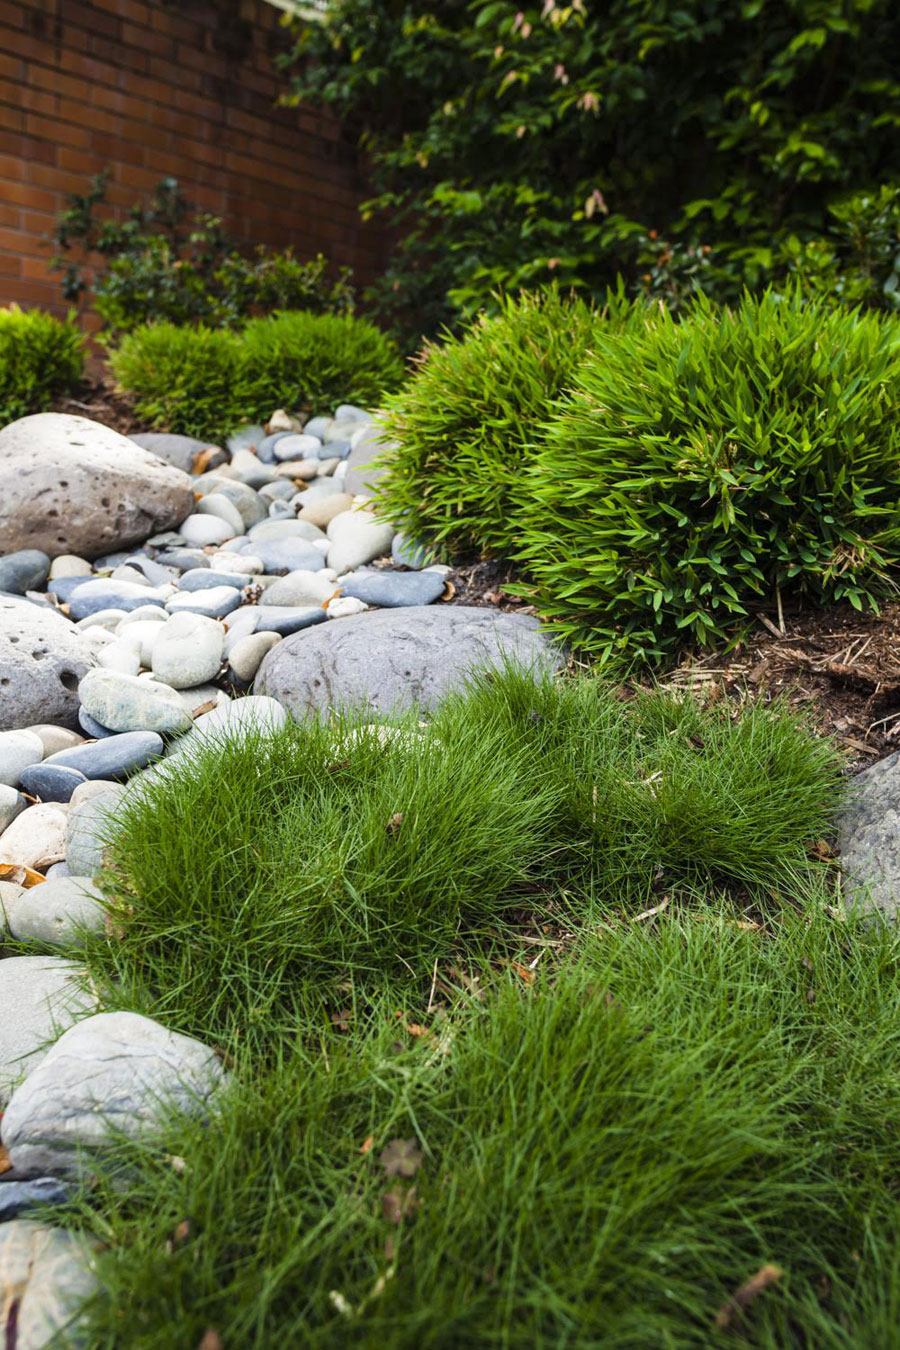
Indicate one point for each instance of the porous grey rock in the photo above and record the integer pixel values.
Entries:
(90, 827)
(182, 451)
(869, 840)
(57, 912)
(46, 1275)
(394, 658)
(130, 703)
(24, 571)
(112, 1072)
(70, 485)
(366, 446)
(40, 996)
(42, 659)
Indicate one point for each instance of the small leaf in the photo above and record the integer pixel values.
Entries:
(401, 1158)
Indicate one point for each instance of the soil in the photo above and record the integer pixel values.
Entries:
(97, 400)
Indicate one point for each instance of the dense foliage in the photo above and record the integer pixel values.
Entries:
(463, 423)
(315, 361)
(40, 358)
(704, 469)
(166, 261)
(681, 145)
(205, 382)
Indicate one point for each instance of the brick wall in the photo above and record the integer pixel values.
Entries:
(150, 88)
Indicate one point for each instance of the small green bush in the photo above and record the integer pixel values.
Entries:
(40, 358)
(705, 469)
(306, 361)
(183, 379)
(464, 421)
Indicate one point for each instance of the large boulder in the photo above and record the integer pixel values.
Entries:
(40, 996)
(46, 1274)
(70, 485)
(869, 834)
(42, 658)
(397, 657)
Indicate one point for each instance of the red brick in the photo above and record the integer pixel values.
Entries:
(57, 130)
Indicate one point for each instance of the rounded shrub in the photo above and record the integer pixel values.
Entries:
(184, 379)
(704, 470)
(40, 358)
(464, 422)
(313, 362)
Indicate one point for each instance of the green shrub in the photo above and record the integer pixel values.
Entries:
(40, 358)
(700, 471)
(464, 421)
(314, 361)
(183, 379)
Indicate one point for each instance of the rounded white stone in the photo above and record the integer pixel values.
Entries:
(188, 650)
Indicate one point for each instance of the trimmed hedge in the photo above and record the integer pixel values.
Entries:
(184, 379)
(40, 358)
(705, 469)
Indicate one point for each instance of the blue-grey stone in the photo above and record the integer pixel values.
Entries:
(286, 619)
(245, 438)
(91, 727)
(317, 426)
(155, 572)
(198, 579)
(281, 511)
(167, 539)
(214, 603)
(334, 450)
(62, 587)
(235, 545)
(182, 559)
(285, 555)
(282, 490)
(246, 500)
(112, 757)
(51, 782)
(25, 570)
(394, 590)
(111, 560)
(92, 596)
(17, 1197)
(265, 450)
(60, 869)
(406, 553)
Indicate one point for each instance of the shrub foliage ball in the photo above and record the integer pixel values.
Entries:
(40, 358)
(183, 379)
(702, 470)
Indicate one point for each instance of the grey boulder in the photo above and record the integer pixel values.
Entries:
(39, 997)
(70, 485)
(869, 839)
(57, 912)
(46, 1274)
(395, 658)
(42, 659)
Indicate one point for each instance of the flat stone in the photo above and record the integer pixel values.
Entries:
(297, 446)
(122, 656)
(133, 575)
(142, 637)
(26, 570)
(46, 1275)
(108, 619)
(250, 470)
(51, 783)
(279, 491)
(20, 1197)
(240, 623)
(253, 713)
(113, 757)
(322, 511)
(397, 658)
(36, 838)
(345, 606)
(239, 565)
(318, 427)
(202, 530)
(58, 912)
(54, 738)
(213, 603)
(369, 444)
(182, 451)
(70, 485)
(42, 658)
(18, 751)
(91, 727)
(298, 469)
(265, 450)
(284, 529)
(247, 653)
(111, 1074)
(286, 619)
(869, 840)
(62, 869)
(204, 579)
(39, 997)
(89, 597)
(10, 895)
(69, 565)
(406, 552)
(154, 572)
(131, 703)
(357, 537)
(188, 651)
(182, 559)
(299, 588)
(286, 555)
(351, 412)
(394, 590)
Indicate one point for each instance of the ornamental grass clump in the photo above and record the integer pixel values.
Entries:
(183, 379)
(40, 358)
(702, 471)
(465, 421)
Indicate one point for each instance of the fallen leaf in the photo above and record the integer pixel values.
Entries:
(415, 1030)
(5, 1164)
(744, 1296)
(202, 459)
(822, 849)
(211, 1340)
(341, 1020)
(524, 974)
(395, 822)
(449, 591)
(20, 875)
(650, 913)
(398, 1203)
(204, 708)
(401, 1158)
(367, 1144)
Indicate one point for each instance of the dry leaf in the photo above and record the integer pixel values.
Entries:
(5, 1164)
(395, 822)
(20, 875)
(211, 1340)
(449, 591)
(205, 708)
(401, 1158)
(415, 1030)
(367, 1144)
(341, 1020)
(398, 1203)
(741, 1298)
(201, 462)
(650, 913)
(523, 972)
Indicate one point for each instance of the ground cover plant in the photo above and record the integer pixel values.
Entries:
(465, 421)
(702, 470)
(205, 382)
(41, 357)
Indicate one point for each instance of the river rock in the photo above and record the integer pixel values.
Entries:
(54, 738)
(188, 651)
(182, 451)
(299, 588)
(247, 653)
(91, 825)
(24, 571)
(286, 619)
(367, 444)
(36, 838)
(69, 565)
(286, 555)
(91, 597)
(204, 579)
(46, 1274)
(112, 1072)
(42, 658)
(245, 438)
(12, 804)
(250, 470)
(39, 997)
(394, 658)
(114, 757)
(216, 504)
(70, 485)
(322, 511)
(212, 603)
(284, 529)
(296, 446)
(18, 751)
(394, 590)
(58, 912)
(130, 703)
(51, 783)
(18, 1197)
(869, 840)
(247, 502)
(203, 529)
(345, 606)
(357, 537)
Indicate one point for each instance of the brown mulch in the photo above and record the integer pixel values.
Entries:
(97, 400)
